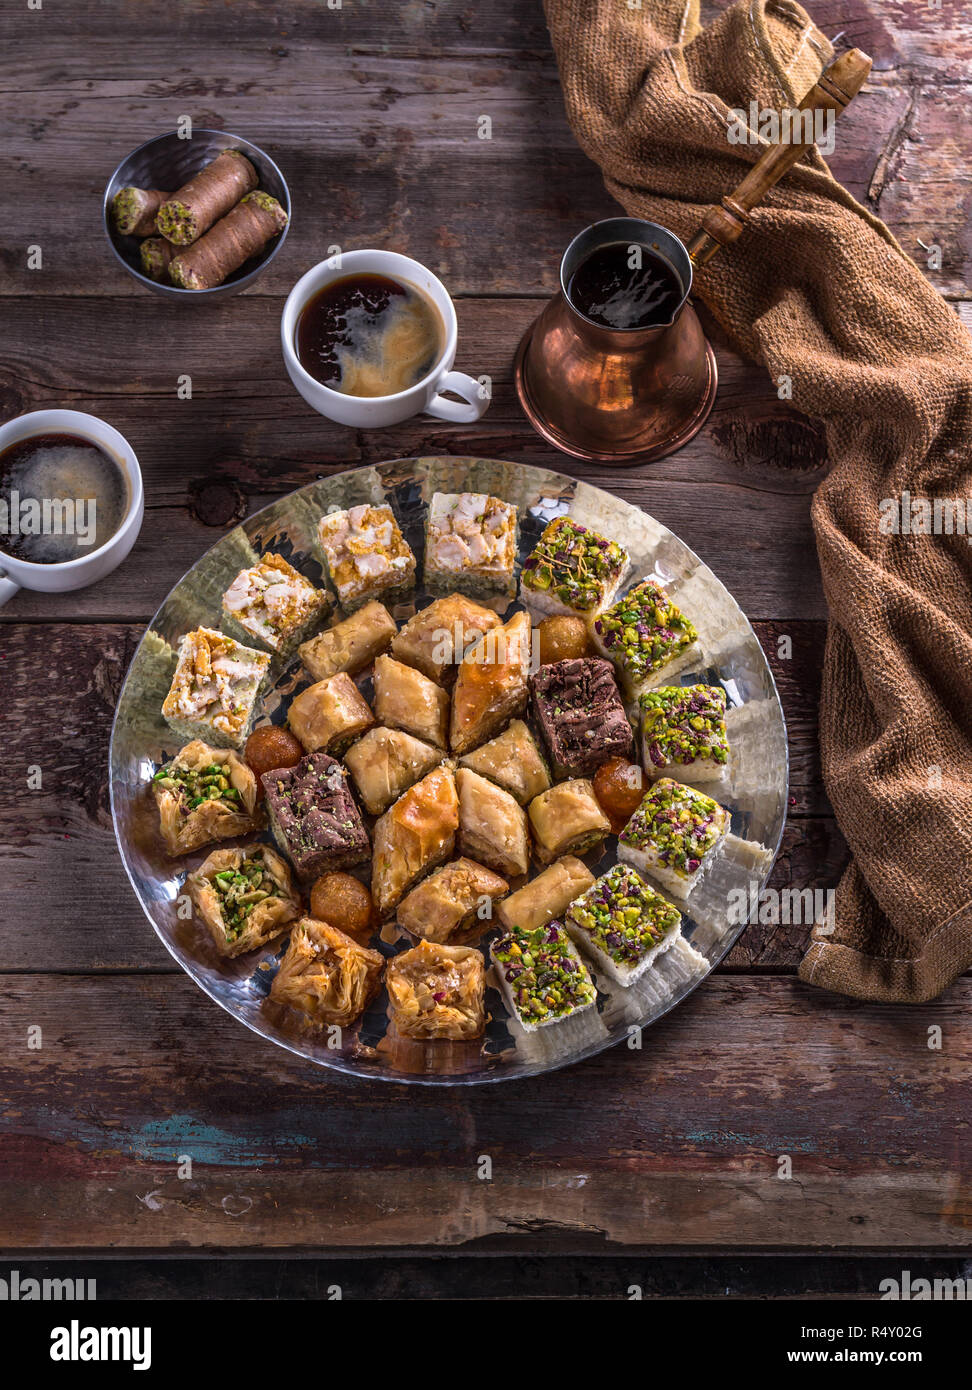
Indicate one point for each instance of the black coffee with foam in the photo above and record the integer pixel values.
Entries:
(369, 335)
(625, 285)
(61, 497)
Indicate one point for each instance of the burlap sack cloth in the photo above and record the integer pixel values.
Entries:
(817, 289)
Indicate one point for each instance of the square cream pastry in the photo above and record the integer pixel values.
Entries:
(366, 554)
(470, 544)
(272, 604)
(215, 689)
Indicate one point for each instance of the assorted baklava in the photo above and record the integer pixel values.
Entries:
(470, 760)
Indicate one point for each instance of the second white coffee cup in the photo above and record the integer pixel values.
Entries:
(376, 412)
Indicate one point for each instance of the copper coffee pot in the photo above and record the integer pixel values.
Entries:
(632, 395)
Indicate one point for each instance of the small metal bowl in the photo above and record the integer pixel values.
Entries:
(168, 162)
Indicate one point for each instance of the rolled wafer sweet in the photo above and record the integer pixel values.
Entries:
(208, 195)
(234, 239)
(156, 255)
(134, 210)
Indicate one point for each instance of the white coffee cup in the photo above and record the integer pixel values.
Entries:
(375, 412)
(94, 564)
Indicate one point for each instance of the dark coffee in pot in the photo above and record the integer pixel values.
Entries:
(625, 285)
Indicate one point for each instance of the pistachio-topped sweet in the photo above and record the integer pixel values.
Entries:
(622, 917)
(194, 785)
(544, 977)
(244, 896)
(573, 569)
(684, 724)
(643, 633)
(678, 824)
(239, 890)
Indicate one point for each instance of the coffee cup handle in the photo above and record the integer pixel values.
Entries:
(8, 587)
(474, 404)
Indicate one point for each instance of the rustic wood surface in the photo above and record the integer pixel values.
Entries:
(371, 110)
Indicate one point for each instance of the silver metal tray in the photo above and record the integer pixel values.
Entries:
(756, 793)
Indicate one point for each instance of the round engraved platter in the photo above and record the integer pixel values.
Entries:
(755, 791)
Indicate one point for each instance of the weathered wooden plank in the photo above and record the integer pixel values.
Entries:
(64, 825)
(378, 145)
(745, 1072)
(933, 38)
(923, 188)
(930, 38)
(423, 27)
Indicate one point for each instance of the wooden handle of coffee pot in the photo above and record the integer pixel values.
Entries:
(722, 224)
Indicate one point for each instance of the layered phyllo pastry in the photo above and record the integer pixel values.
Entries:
(683, 731)
(580, 715)
(567, 819)
(437, 992)
(647, 637)
(455, 903)
(622, 924)
(385, 763)
(313, 816)
(350, 645)
(541, 976)
(572, 570)
(330, 714)
(204, 794)
(245, 896)
(470, 544)
(491, 686)
(413, 837)
(213, 695)
(366, 554)
(327, 976)
(513, 761)
(493, 826)
(673, 835)
(272, 604)
(405, 699)
(436, 639)
(547, 896)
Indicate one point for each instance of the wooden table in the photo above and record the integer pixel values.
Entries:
(372, 111)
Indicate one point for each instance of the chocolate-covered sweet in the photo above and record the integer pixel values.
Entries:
(313, 816)
(580, 715)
